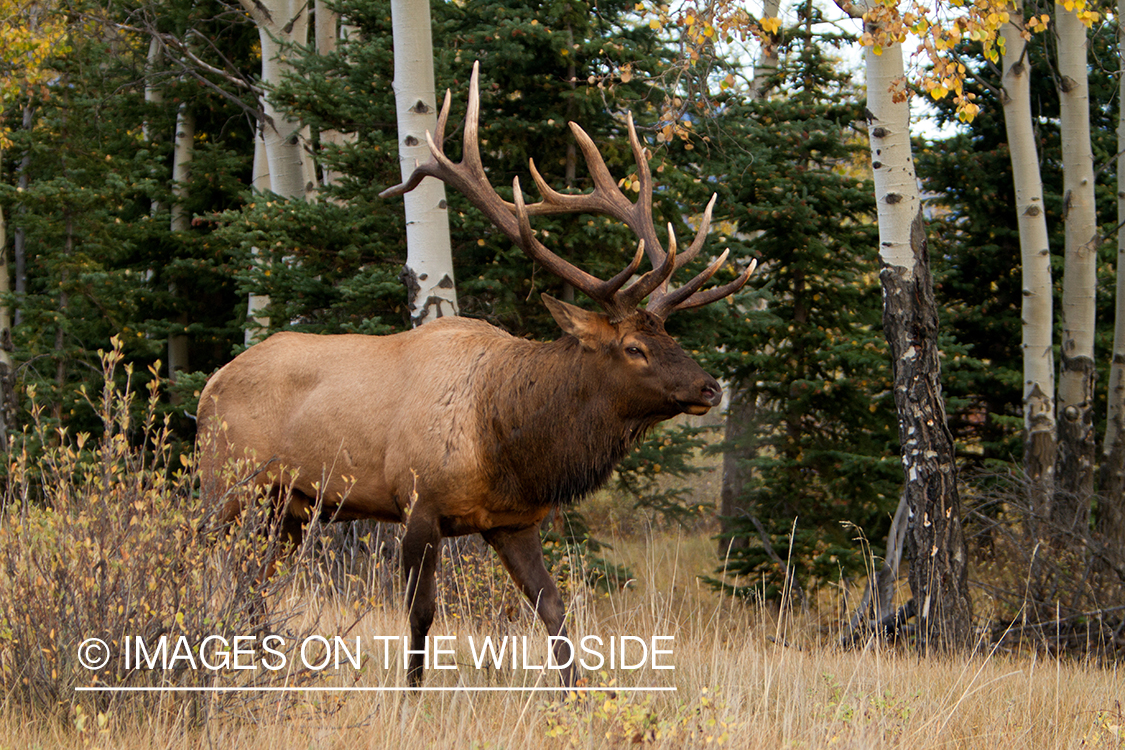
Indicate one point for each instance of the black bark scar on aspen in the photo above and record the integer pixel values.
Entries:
(409, 280)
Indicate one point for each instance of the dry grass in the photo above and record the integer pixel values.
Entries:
(744, 676)
(737, 686)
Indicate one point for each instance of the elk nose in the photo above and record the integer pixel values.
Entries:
(712, 392)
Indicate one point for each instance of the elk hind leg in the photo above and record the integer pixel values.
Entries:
(521, 553)
(421, 549)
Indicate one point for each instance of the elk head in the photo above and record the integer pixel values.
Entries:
(624, 330)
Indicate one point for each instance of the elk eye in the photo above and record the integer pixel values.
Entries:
(634, 351)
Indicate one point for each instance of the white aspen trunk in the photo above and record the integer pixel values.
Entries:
(1075, 471)
(899, 201)
(766, 64)
(328, 32)
(281, 21)
(280, 161)
(182, 152)
(153, 95)
(257, 324)
(1111, 502)
(1035, 263)
(939, 561)
(260, 174)
(428, 273)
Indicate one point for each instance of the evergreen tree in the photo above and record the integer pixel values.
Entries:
(824, 437)
(542, 66)
(99, 259)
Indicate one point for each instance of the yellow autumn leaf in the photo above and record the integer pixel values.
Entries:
(770, 25)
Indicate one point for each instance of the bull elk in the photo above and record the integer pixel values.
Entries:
(457, 427)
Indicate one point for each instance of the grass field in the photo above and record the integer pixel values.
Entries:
(103, 541)
(745, 676)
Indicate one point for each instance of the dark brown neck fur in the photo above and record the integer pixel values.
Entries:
(553, 431)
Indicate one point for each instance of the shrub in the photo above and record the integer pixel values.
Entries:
(103, 540)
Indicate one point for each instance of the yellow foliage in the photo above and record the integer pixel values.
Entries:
(940, 27)
(30, 34)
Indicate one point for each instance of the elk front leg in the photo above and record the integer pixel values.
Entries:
(421, 548)
(521, 552)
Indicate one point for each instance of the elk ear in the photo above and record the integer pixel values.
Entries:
(590, 328)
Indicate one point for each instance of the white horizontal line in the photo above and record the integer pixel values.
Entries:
(360, 689)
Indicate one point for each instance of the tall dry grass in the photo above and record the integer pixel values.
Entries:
(112, 548)
(745, 677)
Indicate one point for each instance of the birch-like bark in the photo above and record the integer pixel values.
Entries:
(280, 161)
(260, 171)
(328, 32)
(153, 95)
(766, 64)
(280, 22)
(257, 322)
(1111, 499)
(1035, 263)
(1075, 471)
(938, 567)
(183, 151)
(428, 273)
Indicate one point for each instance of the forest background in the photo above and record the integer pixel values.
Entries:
(130, 209)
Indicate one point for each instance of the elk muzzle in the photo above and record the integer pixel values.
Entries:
(701, 396)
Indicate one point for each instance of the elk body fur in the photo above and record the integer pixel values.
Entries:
(458, 427)
(486, 429)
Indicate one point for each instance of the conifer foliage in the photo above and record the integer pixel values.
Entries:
(814, 361)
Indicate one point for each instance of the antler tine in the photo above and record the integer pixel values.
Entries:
(667, 300)
(595, 288)
(700, 236)
(679, 299)
(467, 177)
(643, 207)
(513, 219)
(442, 119)
(632, 295)
(470, 146)
(618, 281)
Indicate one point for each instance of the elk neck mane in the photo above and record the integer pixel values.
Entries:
(551, 428)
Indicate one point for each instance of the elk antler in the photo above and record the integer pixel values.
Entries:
(513, 219)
